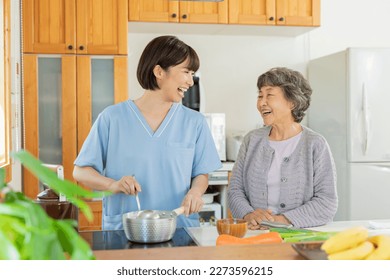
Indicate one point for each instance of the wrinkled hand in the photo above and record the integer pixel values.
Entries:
(254, 219)
(127, 185)
(192, 203)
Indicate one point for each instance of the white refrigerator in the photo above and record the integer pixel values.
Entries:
(350, 107)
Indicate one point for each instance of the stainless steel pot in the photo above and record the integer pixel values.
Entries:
(160, 227)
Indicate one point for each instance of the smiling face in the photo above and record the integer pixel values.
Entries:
(175, 81)
(274, 108)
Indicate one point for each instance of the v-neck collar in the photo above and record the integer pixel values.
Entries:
(145, 124)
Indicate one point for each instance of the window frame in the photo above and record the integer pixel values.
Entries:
(5, 93)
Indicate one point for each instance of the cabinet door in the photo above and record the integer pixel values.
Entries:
(104, 82)
(49, 26)
(275, 12)
(49, 114)
(53, 88)
(204, 12)
(298, 12)
(154, 10)
(257, 12)
(102, 27)
(70, 26)
(96, 224)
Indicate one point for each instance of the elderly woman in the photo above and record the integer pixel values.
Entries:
(284, 171)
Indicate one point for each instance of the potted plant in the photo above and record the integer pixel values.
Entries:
(27, 232)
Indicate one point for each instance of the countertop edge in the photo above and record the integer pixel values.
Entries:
(282, 251)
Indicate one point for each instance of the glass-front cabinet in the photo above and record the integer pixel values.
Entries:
(63, 95)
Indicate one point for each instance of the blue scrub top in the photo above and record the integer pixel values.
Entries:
(121, 143)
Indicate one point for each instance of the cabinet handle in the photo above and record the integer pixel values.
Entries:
(81, 48)
(271, 18)
(184, 16)
(70, 47)
(173, 15)
(281, 19)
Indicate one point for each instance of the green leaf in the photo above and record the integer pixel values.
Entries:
(14, 228)
(72, 242)
(27, 232)
(72, 191)
(8, 250)
(2, 178)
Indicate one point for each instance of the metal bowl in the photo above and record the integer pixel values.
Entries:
(149, 230)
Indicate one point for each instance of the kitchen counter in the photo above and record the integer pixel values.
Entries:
(375, 227)
(205, 238)
(282, 251)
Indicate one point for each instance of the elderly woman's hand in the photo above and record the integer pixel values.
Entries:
(256, 217)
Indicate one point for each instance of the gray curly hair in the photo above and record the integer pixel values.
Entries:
(295, 87)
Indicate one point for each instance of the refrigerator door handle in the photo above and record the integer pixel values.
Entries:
(384, 167)
(365, 119)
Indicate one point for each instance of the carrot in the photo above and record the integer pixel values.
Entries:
(265, 238)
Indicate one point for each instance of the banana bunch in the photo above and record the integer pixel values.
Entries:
(355, 244)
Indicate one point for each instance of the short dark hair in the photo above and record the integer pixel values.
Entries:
(295, 87)
(166, 51)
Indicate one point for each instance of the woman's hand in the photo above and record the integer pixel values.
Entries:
(256, 217)
(127, 185)
(281, 219)
(192, 203)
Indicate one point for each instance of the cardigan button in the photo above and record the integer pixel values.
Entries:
(286, 159)
(282, 205)
(283, 179)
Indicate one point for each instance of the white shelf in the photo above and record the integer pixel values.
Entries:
(220, 178)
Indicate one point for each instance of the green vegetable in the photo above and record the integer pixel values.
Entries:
(302, 235)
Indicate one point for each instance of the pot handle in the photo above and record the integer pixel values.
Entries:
(179, 210)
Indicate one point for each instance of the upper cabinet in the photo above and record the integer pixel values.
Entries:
(178, 11)
(275, 12)
(75, 26)
(250, 12)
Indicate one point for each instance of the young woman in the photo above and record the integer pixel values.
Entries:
(152, 146)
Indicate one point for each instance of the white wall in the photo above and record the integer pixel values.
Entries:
(350, 23)
(230, 65)
(16, 102)
(232, 57)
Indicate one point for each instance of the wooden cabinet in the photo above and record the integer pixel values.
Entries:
(70, 26)
(250, 12)
(275, 12)
(63, 94)
(178, 11)
(96, 224)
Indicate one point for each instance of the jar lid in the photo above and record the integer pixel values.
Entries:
(47, 194)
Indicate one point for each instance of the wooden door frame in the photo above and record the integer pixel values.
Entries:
(6, 18)
(31, 117)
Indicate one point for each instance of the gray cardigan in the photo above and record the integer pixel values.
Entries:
(308, 195)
